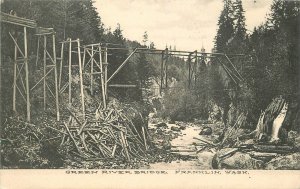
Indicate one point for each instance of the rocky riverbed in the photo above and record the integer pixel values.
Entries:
(181, 139)
(197, 146)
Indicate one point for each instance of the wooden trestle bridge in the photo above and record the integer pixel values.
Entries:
(91, 60)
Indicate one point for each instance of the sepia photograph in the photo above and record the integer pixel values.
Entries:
(197, 89)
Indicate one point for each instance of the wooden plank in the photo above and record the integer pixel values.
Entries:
(27, 75)
(70, 41)
(45, 74)
(92, 71)
(55, 78)
(70, 72)
(166, 67)
(15, 78)
(122, 138)
(84, 58)
(189, 71)
(81, 128)
(102, 78)
(121, 66)
(73, 115)
(12, 19)
(144, 136)
(72, 138)
(82, 138)
(81, 79)
(114, 150)
(122, 86)
(37, 51)
(43, 31)
(240, 77)
(16, 45)
(105, 74)
(61, 64)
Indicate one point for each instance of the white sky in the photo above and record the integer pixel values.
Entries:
(184, 23)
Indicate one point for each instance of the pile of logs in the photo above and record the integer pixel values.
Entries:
(105, 134)
(232, 133)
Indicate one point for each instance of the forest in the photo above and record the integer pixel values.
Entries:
(240, 96)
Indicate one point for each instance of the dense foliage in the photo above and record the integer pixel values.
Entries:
(70, 19)
(271, 65)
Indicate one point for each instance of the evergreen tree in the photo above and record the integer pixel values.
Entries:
(143, 70)
(240, 26)
(239, 40)
(152, 45)
(226, 30)
(145, 38)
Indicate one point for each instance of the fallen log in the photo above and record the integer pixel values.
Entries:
(144, 136)
(186, 150)
(83, 141)
(262, 154)
(229, 153)
(205, 141)
(112, 134)
(274, 148)
(123, 141)
(114, 151)
(78, 149)
(56, 130)
(81, 128)
(73, 115)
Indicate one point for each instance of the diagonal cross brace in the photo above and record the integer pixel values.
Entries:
(121, 66)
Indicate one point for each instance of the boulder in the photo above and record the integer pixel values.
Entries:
(162, 124)
(288, 162)
(173, 128)
(297, 144)
(171, 122)
(294, 139)
(206, 131)
(221, 154)
(204, 159)
(166, 145)
(292, 134)
(249, 142)
(182, 127)
(238, 160)
(159, 131)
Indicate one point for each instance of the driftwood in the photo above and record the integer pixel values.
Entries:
(144, 137)
(229, 153)
(205, 141)
(262, 154)
(107, 133)
(274, 148)
(233, 130)
(185, 150)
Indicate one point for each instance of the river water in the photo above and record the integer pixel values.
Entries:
(185, 144)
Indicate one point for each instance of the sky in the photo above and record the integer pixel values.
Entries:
(186, 24)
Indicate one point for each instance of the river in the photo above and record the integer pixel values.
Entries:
(186, 144)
